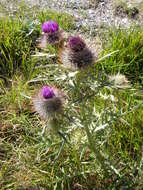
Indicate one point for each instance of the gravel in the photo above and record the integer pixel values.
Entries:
(89, 14)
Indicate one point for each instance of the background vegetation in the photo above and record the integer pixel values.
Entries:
(99, 118)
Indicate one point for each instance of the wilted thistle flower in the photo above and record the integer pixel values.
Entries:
(48, 101)
(119, 81)
(51, 34)
(76, 55)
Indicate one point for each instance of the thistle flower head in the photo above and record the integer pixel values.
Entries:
(50, 27)
(52, 34)
(48, 101)
(76, 43)
(76, 55)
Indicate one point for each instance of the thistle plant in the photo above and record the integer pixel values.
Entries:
(76, 55)
(51, 34)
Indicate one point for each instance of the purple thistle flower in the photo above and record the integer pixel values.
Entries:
(50, 27)
(52, 34)
(76, 43)
(77, 55)
(48, 101)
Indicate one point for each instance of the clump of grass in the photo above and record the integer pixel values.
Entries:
(129, 136)
(13, 98)
(15, 47)
(128, 60)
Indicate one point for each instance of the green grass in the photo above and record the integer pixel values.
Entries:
(128, 60)
(98, 118)
(14, 45)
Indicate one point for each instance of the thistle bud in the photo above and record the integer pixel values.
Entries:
(76, 55)
(119, 81)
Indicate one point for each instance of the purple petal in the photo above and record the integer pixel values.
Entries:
(47, 92)
(50, 27)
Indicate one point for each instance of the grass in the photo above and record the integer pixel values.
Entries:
(100, 122)
(128, 59)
